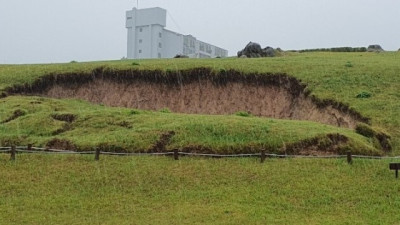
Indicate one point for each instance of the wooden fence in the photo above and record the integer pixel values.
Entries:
(176, 154)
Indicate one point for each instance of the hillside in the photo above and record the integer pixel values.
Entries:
(358, 89)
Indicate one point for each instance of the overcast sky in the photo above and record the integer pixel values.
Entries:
(49, 31)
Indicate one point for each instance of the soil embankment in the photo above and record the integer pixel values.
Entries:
(198, 91)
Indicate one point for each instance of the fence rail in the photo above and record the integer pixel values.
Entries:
(13, 150)
(176, 154)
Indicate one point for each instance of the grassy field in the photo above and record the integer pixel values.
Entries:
(337, 76)
(51, 189)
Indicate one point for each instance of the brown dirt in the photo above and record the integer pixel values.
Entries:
(69, 118)
(16, 114)
(61, 144)
(204, 97)
(160, 145)
(66, 127)
(324, 145)
(197, 91)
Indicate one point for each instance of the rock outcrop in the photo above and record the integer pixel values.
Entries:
(180, 56)
(375, 48)
(254, 50)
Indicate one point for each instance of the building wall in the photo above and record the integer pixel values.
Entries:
(190, 46)
(143, 27)
(148, 38)
(172, 44)
(132, 36)
(156, 41)
(143, 49)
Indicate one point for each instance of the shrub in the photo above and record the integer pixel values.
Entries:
(348, 64)
(134, 112)
(339, 49)
(243, 113)
(165, 110)
(364, 94)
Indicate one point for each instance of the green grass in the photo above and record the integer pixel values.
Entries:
(53, 189)
(135, 130)
(328, 76)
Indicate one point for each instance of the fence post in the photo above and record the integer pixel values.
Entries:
(13, 152)
(262, 156)
(97, 154)
(349, 158)
(29, 147)
(176, 154)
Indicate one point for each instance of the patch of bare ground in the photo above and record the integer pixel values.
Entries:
(331, 144)
(161, 144)
(16, 114)
(197, 91)
(61, 144)
(67, 118)
(324, 145)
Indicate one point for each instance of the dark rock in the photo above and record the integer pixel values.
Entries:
(181, 56)
(375, 48)
(254, 50)
(269, 52)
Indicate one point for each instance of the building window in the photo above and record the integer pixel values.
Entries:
(160, 35)
(159, 55)
(202, 47)
(160, 45)
(140, 40)
(140, 29)
(140, 51)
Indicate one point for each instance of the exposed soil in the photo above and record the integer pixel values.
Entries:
(161, 144)
(69, 118)
(323, 145)
(198, 91)
(330, 144)
(66, 127)
(16, 114)
(61, 144)
(205, 98)
(326, 145)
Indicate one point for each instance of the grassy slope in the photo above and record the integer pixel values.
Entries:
(339, 76)
(136, 130)
(53, 189)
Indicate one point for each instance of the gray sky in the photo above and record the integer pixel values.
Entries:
(49, 31)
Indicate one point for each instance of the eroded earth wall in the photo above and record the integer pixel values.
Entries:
(203, 96)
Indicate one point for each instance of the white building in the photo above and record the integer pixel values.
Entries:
(148, 38)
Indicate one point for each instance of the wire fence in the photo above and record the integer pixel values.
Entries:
(35, 150)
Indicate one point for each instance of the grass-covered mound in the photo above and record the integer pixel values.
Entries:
(78, 125)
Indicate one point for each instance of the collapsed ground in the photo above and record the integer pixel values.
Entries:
(203, 91)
